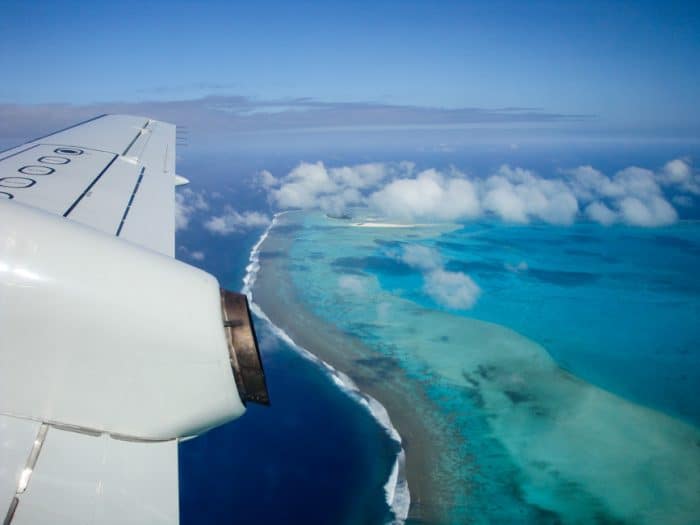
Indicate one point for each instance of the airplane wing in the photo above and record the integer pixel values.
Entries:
(111, 351)
(114, 173)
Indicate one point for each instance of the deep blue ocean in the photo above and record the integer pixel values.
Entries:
(315, 456)
(617, 308)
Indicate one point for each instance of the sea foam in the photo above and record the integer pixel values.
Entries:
(396, 490)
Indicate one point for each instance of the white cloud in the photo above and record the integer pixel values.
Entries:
(519, 195)
(655, 211)
(337, 204)
(429, 196)
(393, 190)
(352, 284)
(420, 257)
(187, 202)
(637, 182)
(302, 187)
(267, 180)
(331, 189)
(452, 289)
(676, 171)
(501, 199)
(633, 195)
(679, 174)
(599, 212)
(588, 183)
(359, 176)
(232, 221)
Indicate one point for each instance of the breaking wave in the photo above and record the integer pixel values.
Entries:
(396, 489)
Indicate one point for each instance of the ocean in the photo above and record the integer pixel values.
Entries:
(565, 393)
(568, 390)
(317, 455)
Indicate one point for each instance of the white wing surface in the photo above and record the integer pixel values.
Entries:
(115, 173)
(96, 387)
(51, 475)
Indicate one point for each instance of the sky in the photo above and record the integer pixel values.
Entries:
(630, 66)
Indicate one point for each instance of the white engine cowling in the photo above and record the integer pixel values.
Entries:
(102, 335)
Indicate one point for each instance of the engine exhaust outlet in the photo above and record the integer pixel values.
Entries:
(243, 348)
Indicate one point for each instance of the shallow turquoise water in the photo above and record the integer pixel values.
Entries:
(572, 377)
(619, 307)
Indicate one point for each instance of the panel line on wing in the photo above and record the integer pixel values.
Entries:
(131, 201)
(136, 138)
(11, 511)
(90, 186)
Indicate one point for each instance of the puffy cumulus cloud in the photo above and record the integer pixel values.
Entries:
(599, 212)
(654, 211)
(303, 186)
(451, 289)
(232, 221)
(313, 185)
(267, 180)
(678, 173)
(420, 257)
(588, 183)
(518, 195)
(337, 204)
(360, 176)
(429, 196)
(187, 202)
(632, 196)
(637, 182)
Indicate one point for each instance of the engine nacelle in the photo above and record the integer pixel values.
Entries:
(99, 334)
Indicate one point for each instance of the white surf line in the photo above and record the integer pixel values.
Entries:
(396, 490)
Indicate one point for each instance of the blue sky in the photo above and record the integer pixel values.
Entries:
(628, 64)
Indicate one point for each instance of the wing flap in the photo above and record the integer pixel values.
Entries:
(103, 205)
(82, 478)
(151, 217)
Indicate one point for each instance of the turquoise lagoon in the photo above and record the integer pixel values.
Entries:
(570, 386)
